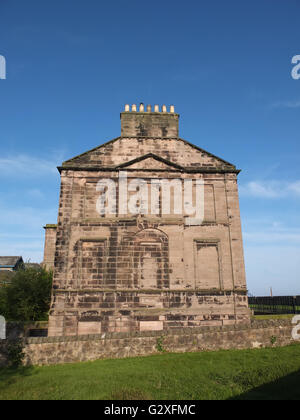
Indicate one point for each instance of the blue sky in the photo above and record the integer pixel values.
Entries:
(72, 65)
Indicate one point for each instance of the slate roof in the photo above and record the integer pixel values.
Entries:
(10, 261)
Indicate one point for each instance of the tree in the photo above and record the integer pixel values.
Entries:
(27, 297)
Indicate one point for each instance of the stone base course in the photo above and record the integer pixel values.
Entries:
(57, 350)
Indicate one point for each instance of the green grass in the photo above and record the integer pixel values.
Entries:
(272, 373)
(288, 316)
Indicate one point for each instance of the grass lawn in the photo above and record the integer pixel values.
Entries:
(288, 316)
(272, 373)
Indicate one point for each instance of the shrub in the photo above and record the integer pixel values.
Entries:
(28, 296)
(160, 344)
(15, 353)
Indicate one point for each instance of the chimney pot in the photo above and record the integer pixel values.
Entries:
(172, 109)
(164, 108)
(149, 108)
(127, 108)
(142, 108)
(156, 108)
(133, 108)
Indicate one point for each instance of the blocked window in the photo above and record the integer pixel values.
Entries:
(92, 263)
(210, 205)
(207, 265)
(149, 265)
(151, 260)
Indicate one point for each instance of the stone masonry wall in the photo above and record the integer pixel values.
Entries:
(147, 270)
(98, 312)
(136, 124)
(49, 251)
(56, 350)
(146, 259)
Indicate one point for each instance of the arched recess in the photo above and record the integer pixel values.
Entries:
(151, 259)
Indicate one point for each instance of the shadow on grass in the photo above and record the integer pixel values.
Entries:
(283, 389)
(9, 376)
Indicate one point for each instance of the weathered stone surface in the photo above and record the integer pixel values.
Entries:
(50, 242)
(55, 350)
(145, 124)
(124, 272)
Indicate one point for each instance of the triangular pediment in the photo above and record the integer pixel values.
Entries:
(150, 154)
(150, 162)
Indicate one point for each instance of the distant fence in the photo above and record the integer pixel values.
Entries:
(275, 305)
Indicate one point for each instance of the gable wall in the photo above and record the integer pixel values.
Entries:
(126, 149)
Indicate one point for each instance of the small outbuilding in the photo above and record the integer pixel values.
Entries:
(11, 263)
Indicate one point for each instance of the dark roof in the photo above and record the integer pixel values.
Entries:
(10, 261)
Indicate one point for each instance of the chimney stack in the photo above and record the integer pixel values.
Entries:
(145, 123)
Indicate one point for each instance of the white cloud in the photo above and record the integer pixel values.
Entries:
(261, 189)
(272, 252)
(295, 187)
(268, 231)
(29, 219)
(270, 189)
(276, 267)
(275, 236)
(28, 166)
(36, 193)
(22, 231)
(286, 104)
(29, 249)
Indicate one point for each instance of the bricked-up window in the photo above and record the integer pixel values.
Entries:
(151, 260)
(91, 263)
(207, 265)
(210, 205)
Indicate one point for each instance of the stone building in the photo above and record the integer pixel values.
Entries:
(128, 252)
(8, 266)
